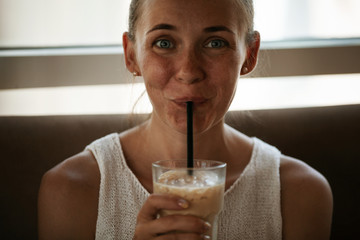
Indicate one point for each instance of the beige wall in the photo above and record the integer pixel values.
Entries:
(80, 69)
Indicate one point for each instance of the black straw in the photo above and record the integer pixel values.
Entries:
(190, 144)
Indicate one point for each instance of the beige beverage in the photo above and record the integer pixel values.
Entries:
(202, 187)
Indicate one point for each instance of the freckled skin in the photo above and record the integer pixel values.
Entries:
(193, 66)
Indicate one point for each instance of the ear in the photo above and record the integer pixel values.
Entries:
(130, 54)
(252, 51)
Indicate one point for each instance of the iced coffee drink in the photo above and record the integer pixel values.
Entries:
(202, 186)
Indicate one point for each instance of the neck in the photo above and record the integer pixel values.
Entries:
(165, 143)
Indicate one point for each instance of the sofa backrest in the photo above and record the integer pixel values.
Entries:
(327, 138)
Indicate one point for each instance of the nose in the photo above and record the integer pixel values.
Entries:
(190, 67)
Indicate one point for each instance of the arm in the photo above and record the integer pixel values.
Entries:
(306, 201)
(68, 199)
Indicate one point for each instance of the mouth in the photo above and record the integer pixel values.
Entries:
(197, 101)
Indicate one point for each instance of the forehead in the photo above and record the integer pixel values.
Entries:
(193, 13)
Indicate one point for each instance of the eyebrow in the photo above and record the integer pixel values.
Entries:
(211, 29)
(161, 26)
(217, 29)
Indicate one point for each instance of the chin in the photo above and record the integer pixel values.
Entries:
(199, 125)
(176, 119)
(178, 124)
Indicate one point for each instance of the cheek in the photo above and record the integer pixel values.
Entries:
(155, 71)
(225, 80)
(226, 94)
(226, 74)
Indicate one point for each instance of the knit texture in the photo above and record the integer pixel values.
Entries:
(251, 210)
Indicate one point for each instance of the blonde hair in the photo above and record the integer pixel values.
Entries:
(245, 7)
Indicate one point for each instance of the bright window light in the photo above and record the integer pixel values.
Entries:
(251, 94)
(303, 19)
(44, 23)
(61, 23)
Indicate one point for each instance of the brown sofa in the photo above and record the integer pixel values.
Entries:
(327, 138)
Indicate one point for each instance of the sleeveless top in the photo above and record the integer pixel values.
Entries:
(252, 208)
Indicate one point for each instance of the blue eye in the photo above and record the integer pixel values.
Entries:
(216, 44)
(163, 43)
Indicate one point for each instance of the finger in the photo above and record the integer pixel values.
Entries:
(181, 236)
(178, 223)
(155, 202)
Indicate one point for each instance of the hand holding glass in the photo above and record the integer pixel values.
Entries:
(202, 186)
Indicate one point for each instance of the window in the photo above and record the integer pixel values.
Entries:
(56, 55)
(44, 23)
(59, 23)
(303, 19)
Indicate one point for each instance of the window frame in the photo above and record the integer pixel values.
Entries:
(25, 68)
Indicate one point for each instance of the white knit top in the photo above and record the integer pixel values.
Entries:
(251, 210)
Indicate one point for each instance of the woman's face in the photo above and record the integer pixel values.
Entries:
(189, 50)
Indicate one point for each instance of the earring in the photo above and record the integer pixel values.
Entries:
(245, 70)
(135, 74)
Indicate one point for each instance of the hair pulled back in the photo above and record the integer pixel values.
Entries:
(245, 7)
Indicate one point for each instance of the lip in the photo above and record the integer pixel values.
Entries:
(198, 102)
(190, 99)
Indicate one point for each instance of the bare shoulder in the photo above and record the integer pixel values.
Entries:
(306, 201)
(68, 199)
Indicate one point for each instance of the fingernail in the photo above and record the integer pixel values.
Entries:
(206, 237)
(183, 203)
(207, 226)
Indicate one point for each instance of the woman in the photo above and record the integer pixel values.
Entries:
(195, 51)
